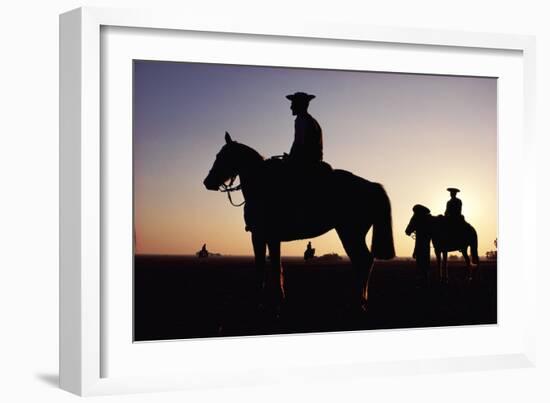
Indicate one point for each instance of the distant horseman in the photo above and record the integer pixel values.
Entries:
(455, 219)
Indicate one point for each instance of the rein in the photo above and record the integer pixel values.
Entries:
(413, 236)
(229, 189)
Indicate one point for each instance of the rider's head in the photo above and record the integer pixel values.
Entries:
(453, 192)
(299, 102)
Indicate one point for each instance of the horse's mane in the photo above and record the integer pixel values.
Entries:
(249, 152)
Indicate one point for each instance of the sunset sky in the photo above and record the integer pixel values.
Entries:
(415, 134)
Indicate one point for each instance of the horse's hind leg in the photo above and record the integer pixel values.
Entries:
(439, 267)
(445, 269)
(259, 245)
(361, 259)
(468, 264)
(275, 277)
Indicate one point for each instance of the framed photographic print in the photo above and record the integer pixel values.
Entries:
(308, 200)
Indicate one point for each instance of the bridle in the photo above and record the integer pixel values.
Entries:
(229, 189)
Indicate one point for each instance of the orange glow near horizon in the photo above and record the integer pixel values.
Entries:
(415, 134)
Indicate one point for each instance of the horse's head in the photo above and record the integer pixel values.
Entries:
(232, 160)
(419, 213)
(225, 165)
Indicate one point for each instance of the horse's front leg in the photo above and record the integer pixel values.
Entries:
(445, 268)
(259, 245)
(439, 268)
(275, 277)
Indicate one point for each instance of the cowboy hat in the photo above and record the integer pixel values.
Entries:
(300, 96)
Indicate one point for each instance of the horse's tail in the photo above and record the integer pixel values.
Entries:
(382, 235)
(473, 246)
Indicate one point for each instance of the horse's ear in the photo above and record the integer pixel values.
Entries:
(228, 138)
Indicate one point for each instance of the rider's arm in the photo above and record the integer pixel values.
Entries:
(299, 136)
(300, 129)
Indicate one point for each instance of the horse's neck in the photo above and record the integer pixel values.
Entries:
(428, 223)
(249, 172)
(251, 182)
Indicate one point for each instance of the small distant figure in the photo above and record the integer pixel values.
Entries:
(492, 254)
(454, 205)
(310, 252)
(203, 252)
(421, 251)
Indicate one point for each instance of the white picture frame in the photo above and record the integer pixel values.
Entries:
(86, 345)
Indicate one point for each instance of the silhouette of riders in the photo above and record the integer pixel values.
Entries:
(307, 147)
(309, 252)
(203, 252)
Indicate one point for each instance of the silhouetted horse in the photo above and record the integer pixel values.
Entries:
(309, 253)
(446, 236)
(278, 208)
(203, 252)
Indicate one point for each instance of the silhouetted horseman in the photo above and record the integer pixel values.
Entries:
(278, 209)
(454, 205)
(307, 147)
(447, 235)
(453, 214)
(309, 252)
(203, 252)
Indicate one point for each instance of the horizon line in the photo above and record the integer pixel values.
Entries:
(282, 257)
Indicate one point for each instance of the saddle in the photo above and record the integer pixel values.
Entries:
(455, 230)
(293, 195)
(299, 179)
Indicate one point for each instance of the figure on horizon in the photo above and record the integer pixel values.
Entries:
(203, 252)
(310, 252)
(307, 147)
(454, 206)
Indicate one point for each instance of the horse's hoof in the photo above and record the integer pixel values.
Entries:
(363, 305)
(278, 313)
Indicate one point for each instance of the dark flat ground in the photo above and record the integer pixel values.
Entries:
(178, 297)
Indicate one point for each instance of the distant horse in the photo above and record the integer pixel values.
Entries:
(280, 208)
(309, 253)
(446, 236)
(202, 253)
